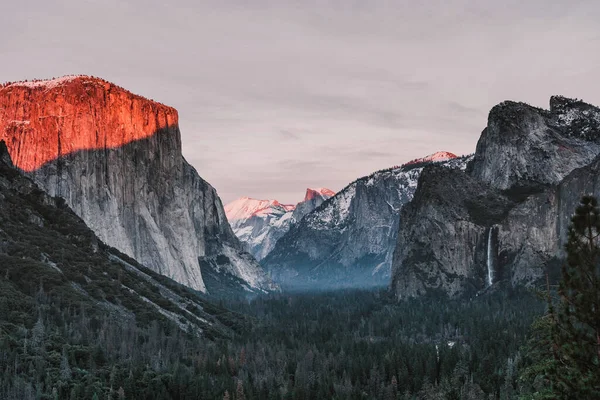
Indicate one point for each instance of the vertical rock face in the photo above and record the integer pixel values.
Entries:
(523, 145)
(45, 120)
(116, 158)
(530, 169)
(442, 234)
(349, 240)
(259, 224)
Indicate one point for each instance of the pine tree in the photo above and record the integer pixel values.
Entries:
(565, 344)
(539, 375)
(239, 393)
(65, 369)
(37, 334)
(578, 318)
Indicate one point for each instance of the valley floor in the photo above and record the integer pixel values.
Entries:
(340, 345)
(362, 344)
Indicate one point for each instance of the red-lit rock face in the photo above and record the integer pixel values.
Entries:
(116, 160)
(319, 192)
(44, 120)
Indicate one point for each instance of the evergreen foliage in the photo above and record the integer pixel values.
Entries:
(565, 344)
(79, 320)
(338, 345)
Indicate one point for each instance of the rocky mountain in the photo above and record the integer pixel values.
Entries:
(259, 224)
(51, 264)
(349, 239)
(505, 218)
(312, 199)
(115, 157)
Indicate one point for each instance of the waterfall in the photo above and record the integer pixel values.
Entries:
(490, 258)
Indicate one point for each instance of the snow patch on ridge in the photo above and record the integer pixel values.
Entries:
(261, 223)
(246, 207)
(48, 83)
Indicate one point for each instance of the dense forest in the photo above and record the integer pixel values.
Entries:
(79, 320)
(339, 345)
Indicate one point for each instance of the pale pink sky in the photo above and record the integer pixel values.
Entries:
(278, 96)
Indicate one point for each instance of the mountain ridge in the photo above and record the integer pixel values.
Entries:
(348, 240)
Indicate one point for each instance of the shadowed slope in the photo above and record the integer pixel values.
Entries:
(45, 246)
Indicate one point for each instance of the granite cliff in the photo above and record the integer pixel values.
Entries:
(503, 220)
(115, 157)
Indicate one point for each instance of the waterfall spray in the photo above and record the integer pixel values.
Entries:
(490, 258)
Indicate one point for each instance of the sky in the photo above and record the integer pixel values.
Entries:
(277, 96)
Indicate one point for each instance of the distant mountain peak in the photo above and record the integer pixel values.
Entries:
(435, 157)
(260, 223)
(322, 192)
(247, 207)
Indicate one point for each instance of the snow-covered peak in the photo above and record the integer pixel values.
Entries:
(261, 223)
(246, 207)
(435, 157)
(320, 192)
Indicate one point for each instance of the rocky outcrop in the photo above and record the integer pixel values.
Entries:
(523, 145)
(259, 224)
(348, 241)
(116, 159)
(312, 199)
(505, 219)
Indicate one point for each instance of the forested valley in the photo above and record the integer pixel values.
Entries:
(338, 345)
